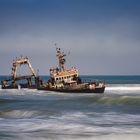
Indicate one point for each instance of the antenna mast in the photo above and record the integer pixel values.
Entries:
(61, 58)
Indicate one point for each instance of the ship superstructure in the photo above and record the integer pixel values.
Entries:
(60, 74)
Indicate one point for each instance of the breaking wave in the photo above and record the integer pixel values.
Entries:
(18, 114)
(125, 100)
(123, 87)
(76, 126)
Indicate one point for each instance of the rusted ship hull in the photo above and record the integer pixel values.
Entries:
(96, 90)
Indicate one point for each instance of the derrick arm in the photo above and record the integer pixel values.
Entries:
(31, 68)
(21, 61)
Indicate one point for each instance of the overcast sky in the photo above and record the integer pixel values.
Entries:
(102, 36)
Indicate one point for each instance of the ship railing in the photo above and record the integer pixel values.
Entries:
(93, 81)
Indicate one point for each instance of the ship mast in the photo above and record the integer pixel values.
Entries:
(61, 59)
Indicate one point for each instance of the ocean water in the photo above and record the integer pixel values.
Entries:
(29, 114)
